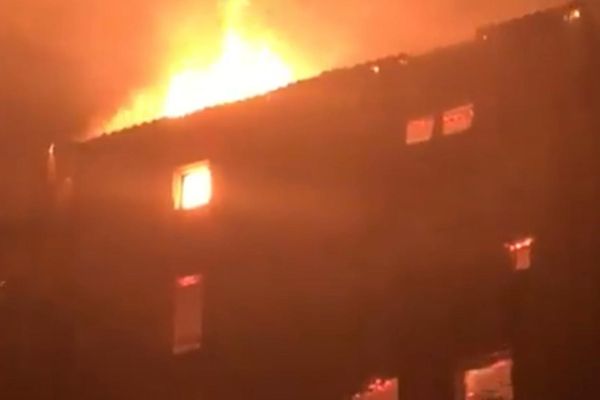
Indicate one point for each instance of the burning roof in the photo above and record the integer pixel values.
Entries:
(346, 85)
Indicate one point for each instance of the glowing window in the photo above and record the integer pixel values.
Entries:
(520, 251)
(379, 389)
(187, 314)
(420, 130)
(573, 15)
(491, 380)
(192, 186)
(458, 120)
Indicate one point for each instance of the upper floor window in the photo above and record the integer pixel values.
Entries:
(192, 186)
(420, 130)
(458, 120)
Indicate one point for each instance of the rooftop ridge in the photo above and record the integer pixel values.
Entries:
(369, 66)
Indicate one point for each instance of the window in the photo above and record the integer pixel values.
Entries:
(3, 286)
(420, 130)
(459, 119)
(379, 389)
(188, 313)
(489, 380)
(192, 186)
(520, 252)
(573, 15)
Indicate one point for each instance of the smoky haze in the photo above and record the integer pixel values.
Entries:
(66, 64)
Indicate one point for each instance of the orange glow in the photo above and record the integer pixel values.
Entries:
(192, 187)
(459, 119)
(521, 253)
(492, 381)
(520, 244)
(250, 62)
(573, 15)
(188, 280)
(244, 70)
(379, 389)
(420, 130)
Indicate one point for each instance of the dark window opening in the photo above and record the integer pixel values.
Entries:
(188, 313)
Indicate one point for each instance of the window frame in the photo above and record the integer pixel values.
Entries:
(178, 185)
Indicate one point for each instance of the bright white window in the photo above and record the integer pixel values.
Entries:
(420, 130)
(458, 120)
(520, 252)
(187, 314)
(192, 186)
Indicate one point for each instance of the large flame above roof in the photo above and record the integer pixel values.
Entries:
(245, 69)
(248, 65)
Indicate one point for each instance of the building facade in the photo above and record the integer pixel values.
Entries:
(429, 220)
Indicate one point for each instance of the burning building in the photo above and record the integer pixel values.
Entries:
(430, 219)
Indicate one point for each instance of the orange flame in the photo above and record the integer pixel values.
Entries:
(247, 66)
(242, 71)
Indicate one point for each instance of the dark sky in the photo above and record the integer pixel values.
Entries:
(66, 63)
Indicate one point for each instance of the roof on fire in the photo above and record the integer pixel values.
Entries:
(349, 82)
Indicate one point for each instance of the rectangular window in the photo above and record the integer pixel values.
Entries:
(459, 119)
(192, 186)
(520, 252)
(419, 130)
(188, 313)
(490, 379)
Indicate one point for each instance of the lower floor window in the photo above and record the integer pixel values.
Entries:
(379, 389)
(488, 379)
(520, 251)
(188, 313)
